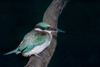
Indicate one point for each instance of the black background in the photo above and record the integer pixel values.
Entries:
(78, 47)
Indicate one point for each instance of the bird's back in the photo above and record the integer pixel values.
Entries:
(39, 48)
(32, 40)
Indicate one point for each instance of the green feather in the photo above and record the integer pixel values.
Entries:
(43, 24)
(31, 40)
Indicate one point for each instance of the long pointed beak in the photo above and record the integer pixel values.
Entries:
(58, 30)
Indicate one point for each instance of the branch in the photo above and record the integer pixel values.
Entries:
(50, 16)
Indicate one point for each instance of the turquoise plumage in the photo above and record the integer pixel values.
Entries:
(36, 40)
(31, 40)
(13, 51)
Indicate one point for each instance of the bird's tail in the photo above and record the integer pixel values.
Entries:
(13, 51)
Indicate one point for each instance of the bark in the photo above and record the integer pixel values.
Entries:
(50, 16)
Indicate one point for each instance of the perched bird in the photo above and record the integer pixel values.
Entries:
(36, 40)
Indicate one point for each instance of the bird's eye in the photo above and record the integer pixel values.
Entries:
(49, 28)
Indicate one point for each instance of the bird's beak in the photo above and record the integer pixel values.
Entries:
(58, 30)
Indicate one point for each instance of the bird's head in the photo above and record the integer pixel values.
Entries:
(45, 27)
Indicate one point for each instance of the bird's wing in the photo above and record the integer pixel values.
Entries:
(32, 40)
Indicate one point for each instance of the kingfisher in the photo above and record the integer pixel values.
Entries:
(36, 40)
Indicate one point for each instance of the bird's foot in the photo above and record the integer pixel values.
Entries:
(44, 52)
(38, 56)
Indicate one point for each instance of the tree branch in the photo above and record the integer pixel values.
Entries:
(50, 16)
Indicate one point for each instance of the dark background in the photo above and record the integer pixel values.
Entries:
(78, 47)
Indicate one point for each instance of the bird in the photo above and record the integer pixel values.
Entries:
(36, 40)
